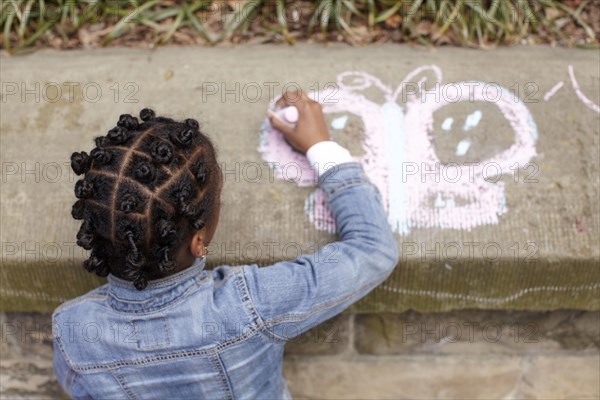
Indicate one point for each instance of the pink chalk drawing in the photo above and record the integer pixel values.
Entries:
(589, 103)
(398, 147)
(553, 91)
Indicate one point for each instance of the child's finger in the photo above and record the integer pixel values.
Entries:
(280, 103)
(294, 97)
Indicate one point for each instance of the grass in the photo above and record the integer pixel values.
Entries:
(475, 23)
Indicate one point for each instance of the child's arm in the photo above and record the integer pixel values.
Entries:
(293, 296)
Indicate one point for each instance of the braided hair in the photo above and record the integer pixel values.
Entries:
(146, 187)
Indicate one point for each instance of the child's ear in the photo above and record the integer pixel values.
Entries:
(197, 243)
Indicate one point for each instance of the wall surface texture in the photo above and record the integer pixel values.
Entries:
(488, 163)
(467, 354)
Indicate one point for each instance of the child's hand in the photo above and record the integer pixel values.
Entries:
(310, 128)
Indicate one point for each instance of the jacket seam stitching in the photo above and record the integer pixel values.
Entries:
(123, 383)
(73, 302)
(215, 359)
(247, 298)
(62, 349)
(261, 325)
(322, 306)
(346, 184)
(253, 329)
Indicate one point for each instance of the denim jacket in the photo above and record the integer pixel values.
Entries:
(220, 334)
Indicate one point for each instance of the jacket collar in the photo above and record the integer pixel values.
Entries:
(158, 291)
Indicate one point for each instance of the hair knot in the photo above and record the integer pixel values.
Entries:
(182, 138)
(141, 282)
(128, 121)
(199, 171)
(166, 264)
(191, 211)
(147, 114)
(162, 152)
(192, 123)
(102, 156)
(144, 172)
(166, 230)
(100, 141)
(84, 189)
(85, 237)
(78, 209)
(95, 264)
(80, 162)
(134, 258)
(129, 203)
(118, 135)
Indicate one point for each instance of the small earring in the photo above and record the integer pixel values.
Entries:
(205, 251)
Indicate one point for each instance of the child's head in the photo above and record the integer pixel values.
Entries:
(149, 198)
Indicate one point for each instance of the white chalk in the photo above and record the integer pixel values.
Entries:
(472, 120)
(462, 147)
(447, 124)
(340, 122)
(290, 114)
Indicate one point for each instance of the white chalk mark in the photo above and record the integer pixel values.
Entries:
(448, 266)
(409, 78)
(439, 203)
(462, 147)
(553, 91)
(443, 203)
(447, 124)
(340, 122)
(472, 120)
(580, 94)
(493, 300)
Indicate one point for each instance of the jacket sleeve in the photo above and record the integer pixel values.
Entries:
(69, 380)
(294, 296)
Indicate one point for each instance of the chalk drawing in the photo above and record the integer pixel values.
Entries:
(472, 120)
(462, 147)
(315, 207)
(398, 146)
(553, 91)
(489, 300)
(439, 202)
(339, 123)
(588, 103)
(447, 124)
(282, 159)
(582, 97)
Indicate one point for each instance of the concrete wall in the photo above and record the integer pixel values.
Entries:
(468, 354)
(527, 239)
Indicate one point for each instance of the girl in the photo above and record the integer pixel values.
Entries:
(163, 327)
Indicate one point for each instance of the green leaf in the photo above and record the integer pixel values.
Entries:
(122, 24)
(240, 17)
(174, 26)
(388, 13)
(198, 25)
